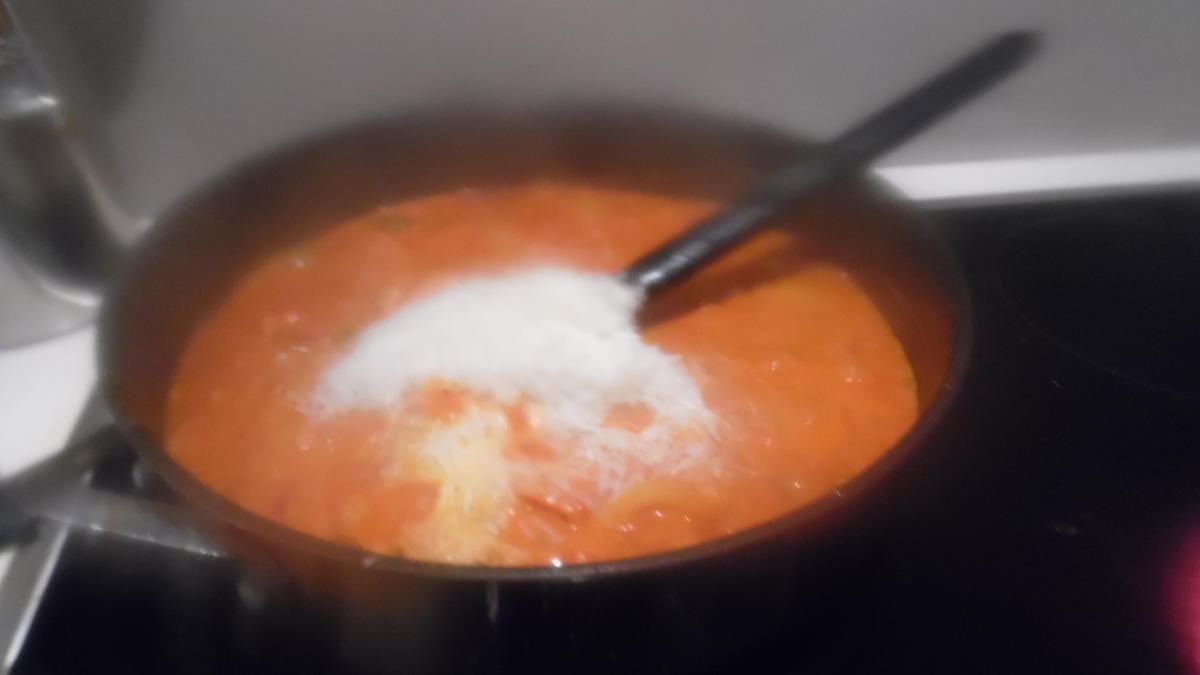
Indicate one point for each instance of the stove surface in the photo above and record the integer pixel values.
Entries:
(1048, 530)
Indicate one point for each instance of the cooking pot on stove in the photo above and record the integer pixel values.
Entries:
(671, 610)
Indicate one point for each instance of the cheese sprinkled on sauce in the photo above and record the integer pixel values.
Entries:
(560, 345)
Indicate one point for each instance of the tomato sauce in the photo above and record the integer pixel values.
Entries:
(804, 374)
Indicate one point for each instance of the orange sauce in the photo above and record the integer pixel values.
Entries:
(808, 382)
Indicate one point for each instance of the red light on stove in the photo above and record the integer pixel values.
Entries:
(1182, 599)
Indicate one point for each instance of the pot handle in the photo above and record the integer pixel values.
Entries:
(59, 489)
(45, 481)
(16, 526)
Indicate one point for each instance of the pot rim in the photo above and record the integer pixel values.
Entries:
(944, 268)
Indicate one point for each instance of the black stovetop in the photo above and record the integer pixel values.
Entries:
(1045, 534)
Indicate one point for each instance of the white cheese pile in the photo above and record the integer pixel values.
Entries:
(562, 340)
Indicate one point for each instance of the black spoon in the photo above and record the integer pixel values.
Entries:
(841, 158)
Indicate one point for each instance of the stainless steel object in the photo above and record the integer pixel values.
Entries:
(55, 250)
(59, 490)
(86, 508)
(61, 493)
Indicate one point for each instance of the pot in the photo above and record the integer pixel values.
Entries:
(668, 611)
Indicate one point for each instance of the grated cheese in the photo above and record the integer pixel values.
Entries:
(563, 343)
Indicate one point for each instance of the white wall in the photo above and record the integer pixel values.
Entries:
(199, 83)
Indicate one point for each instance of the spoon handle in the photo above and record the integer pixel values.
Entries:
(845, 155)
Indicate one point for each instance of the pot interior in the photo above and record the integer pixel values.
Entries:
(205, 243)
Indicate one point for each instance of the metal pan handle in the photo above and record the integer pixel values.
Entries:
(59, 489)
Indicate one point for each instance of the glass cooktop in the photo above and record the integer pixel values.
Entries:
(1053, 527)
